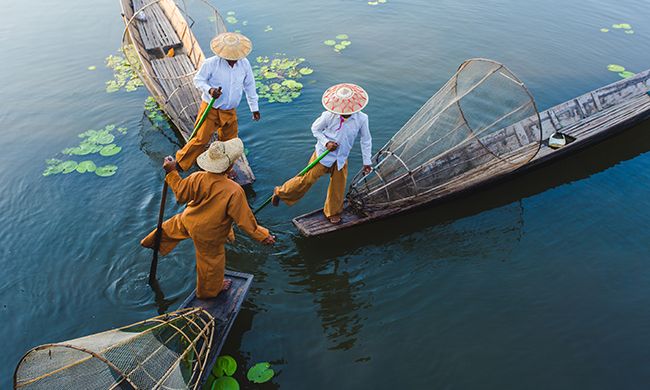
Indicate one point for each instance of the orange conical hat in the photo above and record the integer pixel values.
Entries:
(345, 99)
(231, 46)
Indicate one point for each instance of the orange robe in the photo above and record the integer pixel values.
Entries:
(224, 122)
(214, 202)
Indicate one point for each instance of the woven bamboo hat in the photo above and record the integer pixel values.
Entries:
(220, 155)
(345, 99)
(231, 46)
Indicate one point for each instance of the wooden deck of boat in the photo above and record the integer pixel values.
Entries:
(224, 308)
(589, 118)
(170, 79)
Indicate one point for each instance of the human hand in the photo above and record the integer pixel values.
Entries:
(256, 116)
(367, 169)
(270, 240)
(331, 146)
(169, 164)
(215, 92)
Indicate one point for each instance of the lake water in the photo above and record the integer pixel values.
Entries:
(543, 282)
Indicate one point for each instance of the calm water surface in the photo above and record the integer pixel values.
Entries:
(541, 283)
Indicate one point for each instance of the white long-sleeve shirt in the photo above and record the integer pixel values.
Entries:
(328, 127)
(215, 72)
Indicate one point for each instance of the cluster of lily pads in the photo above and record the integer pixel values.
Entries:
(375, 2)
(340, 43)
(276, 78)
(620, 70)
(221, 375)
(93, 142)
(626, 27)
(231, 18)
(124, 75)
(155, 114)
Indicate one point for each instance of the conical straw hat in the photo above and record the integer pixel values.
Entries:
(345, 99)
(220, 155)
(231, 46)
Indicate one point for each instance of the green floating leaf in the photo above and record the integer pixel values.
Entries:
(103, 138)
(92, 67)
(110, 150)
(615, 68)
(230, 13)
(330, 42)
(68, 166)
(306, 71)
(244, 23)
(260, 373)
(270, 75)
(604, 30)
(268, 28)
(225, 365)
(54, 167)
(225, 383)
(629, 31)
(106, 170)
(346, 43)
(626, 74)
(342, 36)
(382, 1)
(339, 47)
(231, 20)
(373, 2)
(86, 166)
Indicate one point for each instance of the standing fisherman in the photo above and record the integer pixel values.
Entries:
(223, 77)
(213, 203)
(335, 130)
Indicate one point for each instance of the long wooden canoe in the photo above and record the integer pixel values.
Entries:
(153, 27)
(224, 308)
(589, 119)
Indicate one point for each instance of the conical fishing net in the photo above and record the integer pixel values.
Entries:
(483, 121)
(165, 352)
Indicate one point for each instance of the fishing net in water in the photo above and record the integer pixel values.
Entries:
(168, 352)
(483, 121)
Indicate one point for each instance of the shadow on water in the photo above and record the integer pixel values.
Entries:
(580, 165)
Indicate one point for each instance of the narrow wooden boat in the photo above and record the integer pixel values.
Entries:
(153, 27)
(583, 121)
(224, 308)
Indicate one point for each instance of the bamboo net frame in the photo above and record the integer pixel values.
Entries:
(165, 352)
(484, 118)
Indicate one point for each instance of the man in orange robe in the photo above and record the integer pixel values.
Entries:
(214, 202)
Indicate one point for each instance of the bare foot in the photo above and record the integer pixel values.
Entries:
(334, 219)
(226, 284)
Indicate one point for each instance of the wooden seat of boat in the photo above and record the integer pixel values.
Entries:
(156, 30)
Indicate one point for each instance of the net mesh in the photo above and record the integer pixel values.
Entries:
(483, 120)
(168, 351)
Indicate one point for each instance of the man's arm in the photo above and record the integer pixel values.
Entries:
(366, 146)
(201, 78)
(249, 88)
(318, 127)
(239, 211)
(183, 189)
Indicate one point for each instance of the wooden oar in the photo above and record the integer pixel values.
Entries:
(301, 173)
(163, 200)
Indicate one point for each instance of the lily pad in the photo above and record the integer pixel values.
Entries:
(268, 28)
(306, 71)
(626, 74)
(342, 36)
(92, 67)
(382, 1)
(103, 138)
(270, 75)
(68, 166)
(54, 167)
(86, 166)
(330, 42)
(225, 383)
(110, 150)
(230, 13)
(339, 47)
(231, 20)
(225, 365)
(629, 31)
(346, 43)
(373, 2)
(106, 170)
(260, 373)
(604, 30)
(615, 68)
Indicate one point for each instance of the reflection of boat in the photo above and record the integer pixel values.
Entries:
(589, 119)
(153, 27)
(173, 350)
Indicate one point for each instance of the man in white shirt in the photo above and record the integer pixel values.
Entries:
(335, 130)
(223, 77)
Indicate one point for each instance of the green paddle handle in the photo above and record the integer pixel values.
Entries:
(202, 119)
(301, 173)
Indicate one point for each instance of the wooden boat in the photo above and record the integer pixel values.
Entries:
(224, 308)
(173, 350)
(153, 27)
(585, 120)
